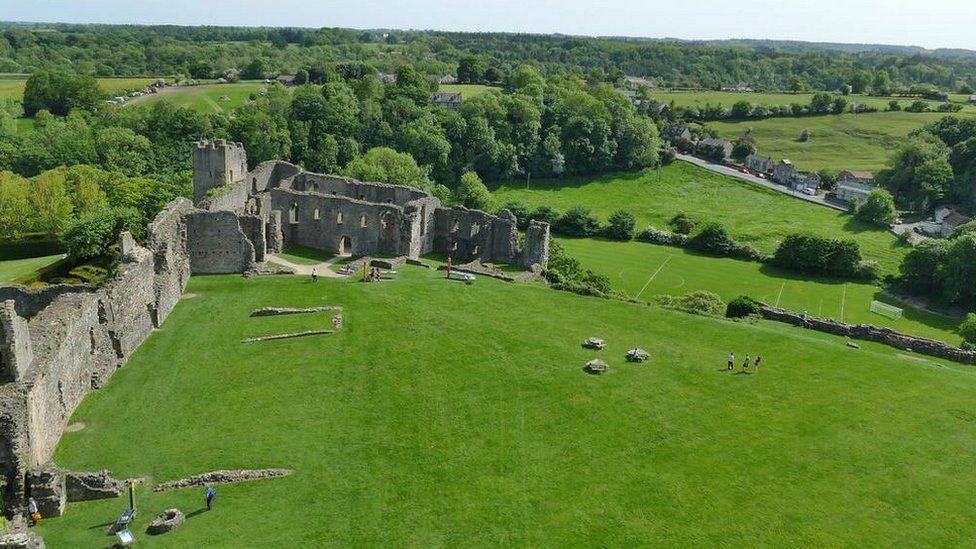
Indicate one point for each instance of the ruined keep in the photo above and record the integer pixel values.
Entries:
(59, 342)
(246, 215)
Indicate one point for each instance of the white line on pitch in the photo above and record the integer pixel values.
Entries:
(648, 283)
(780, 294)
(843, 300)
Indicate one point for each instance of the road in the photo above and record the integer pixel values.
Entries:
(732, 172)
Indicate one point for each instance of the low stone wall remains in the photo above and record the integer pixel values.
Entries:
(867, 332)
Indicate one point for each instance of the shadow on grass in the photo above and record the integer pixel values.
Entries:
(196, 513)
(569, 182)
(306, 253)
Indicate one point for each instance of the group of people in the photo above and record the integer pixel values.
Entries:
(34, 512)
(745, 363)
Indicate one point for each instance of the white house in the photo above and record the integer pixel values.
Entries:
(849, 191)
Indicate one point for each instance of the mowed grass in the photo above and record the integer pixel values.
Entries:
(446, 414)
(641, 270)
(12, 269)
(206, 98)
(753, 214)
(303, 255)
(838, 142)
(726, 99)
(12, 85)
(467, 90)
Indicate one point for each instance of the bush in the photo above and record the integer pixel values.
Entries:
(657, 236)
(92, 234)
(804, 136)
(879, 209)
(712, 238)
(816, 254)
(472, 192)
(868, 270)
(682, 223)
(668, 155)
(566, 273)
(544, 214)
(917, 106)
(699, 303)
(968, 329)
(949, 107)
(577, 221)
(620, 225)
(742, 307)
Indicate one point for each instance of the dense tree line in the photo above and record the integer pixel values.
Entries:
(109, 50)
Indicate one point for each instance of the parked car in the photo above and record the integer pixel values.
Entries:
(809, 191)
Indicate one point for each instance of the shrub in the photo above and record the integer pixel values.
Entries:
(712, 238)
(868, 269)
(917, 106)
(657, 236)
(566, 273)
(817, 254)
(949, 107)
(620, 225)
(700, 302)
(92, 234)
(545, 214)
(742, 307)
(682, 223)
(804, 136)
(968, 329)
(668, 155)
(894, 106)
(472, 192)
(577, 221)
(879, 209)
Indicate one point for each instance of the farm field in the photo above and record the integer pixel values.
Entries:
(12, 85)
(641, 270)
(205, 97)
(11, 269)
(467, 90)
(728, 98)
(433, 420)
(837, 142)
(752, 214)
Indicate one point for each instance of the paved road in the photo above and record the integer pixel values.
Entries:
(732, 172)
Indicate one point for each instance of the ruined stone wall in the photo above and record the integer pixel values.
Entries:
(232, 197)
(536, 249)
(420, 214)
(466, 235)
(271, 174)
(216, 163)
(867, 332)
(166, 237)
(30, 301)
(16, 353)
(339, 224)
(335, 185)
(216, 242)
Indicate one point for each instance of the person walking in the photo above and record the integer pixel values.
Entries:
(33, 512)
(315, 275)
(211, 494)
(731, 361)
(745, 364)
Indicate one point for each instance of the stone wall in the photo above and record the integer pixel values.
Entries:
(536, 250)
(867, 332)
(466, 235)
(216, 242)
(216, 163)
(16, 353)
(30, 301)
(334, 185)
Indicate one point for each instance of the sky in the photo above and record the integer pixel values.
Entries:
(931, 24)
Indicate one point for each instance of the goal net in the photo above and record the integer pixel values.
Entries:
(884, 309)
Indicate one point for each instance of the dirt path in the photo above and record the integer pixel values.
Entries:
(322, 269)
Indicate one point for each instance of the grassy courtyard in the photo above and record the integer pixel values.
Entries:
(12, 269)
(641, 270)
(445, 414)
(753, 214)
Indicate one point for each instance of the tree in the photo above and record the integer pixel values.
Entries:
(385, 165)
(959, 270)
(620, 225)
(879, 209)
(472, 192)
(839, 105)
(15, 211)
(821, 102)
(257, 69)
(882, 83)
(50, 204)
(740, 110)
(122, 150)
(920, 267)
(744, 146)
(201, 69)
(966, 89)
(682, 223)
(577, 221)
(817, 254)
(92, 234)
(712, 238)
(471, 69)
(859, 81)
(796, 84)
(59, 93)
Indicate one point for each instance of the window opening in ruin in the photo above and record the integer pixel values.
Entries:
(345, 246)
(91, 335)
(455, 226)
(454, 246)
(474, 251)
(362, 197)
(313, 187)
(315, 214)
(293, 213)
(475, 229)
(384, 222)
(362, 220)
(339, 218)
(254, 185)
(232, 175)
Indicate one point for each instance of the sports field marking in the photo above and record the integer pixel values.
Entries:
(780, 294)
(649, 280)
(680, 284)
(843, 301)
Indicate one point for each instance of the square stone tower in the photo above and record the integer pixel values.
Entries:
(217, 163)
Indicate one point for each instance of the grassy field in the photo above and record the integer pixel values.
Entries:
(727, 99)
(642, 270)
(12, 85)
(841, 142)
(14, 268)
(206, 97)
(752, 214)
(303, 255)
(433, 420)
(467, 90)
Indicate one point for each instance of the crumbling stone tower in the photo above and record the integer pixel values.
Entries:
(217, 163)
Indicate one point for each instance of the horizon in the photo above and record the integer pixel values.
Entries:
(848, 22)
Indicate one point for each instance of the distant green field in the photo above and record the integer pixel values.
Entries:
(14, 268)
(642, 270)
(467, 90)
(206, 97)
(753, 214)
(727, 99)
(12, 85)
(837, 142)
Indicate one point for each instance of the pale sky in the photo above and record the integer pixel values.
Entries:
(931, 24)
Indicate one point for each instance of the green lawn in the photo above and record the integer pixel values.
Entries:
(12, 85)
(452, 415)
(12, 269)
(467, 90)
(303, 255)
(206, 97)
(641, 270)
(837, 142)
(727, 99)
(752, 213)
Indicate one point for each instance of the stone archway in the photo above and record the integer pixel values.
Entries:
(345, 246)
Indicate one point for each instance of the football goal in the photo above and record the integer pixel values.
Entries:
(884, 309)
